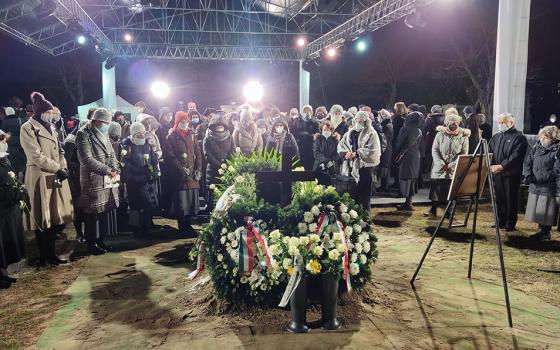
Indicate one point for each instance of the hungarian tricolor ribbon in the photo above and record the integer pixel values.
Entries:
(199, 262)
(246, 249)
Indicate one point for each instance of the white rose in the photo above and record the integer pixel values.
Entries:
(221, 171)
(363, 259)
(308, 217)
(223, 166)
(362, 238)
(354, 269)
(234, 243)
(314, 238)
(340, 248)
(273, 249)
(231, 236)
(146, 156)
(348, 231)
(358, 248)
(363, 223)
(345, 217)
(234, 254)
(304, 240)
(354, 257)
(220, 257)
(318, 250)
(353, 214)
(294, 241)
(366, 247)
(286, 263)
(293, 251)
(244, 279)
(124, 152)
(334, 254)
(224, 231)
(231, 168)
(275, 235)
(239, 178)
(312, 227)
(302, 227)
(286, 240)
(337, 236)
(315, 210)
(343, 208)
(212, 187)
(223, 240)
(357, 228)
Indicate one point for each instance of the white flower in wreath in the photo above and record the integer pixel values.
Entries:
(308, 217)
(239, 179)
(304, 240)
(354, 257)
(244, 279)
(124, 152)
(223, 166)
(314, 238)
(315, 210)
(231, 169)
(348, 230)
(345, 217)
(234, 254)
(286, 240)
(340, 248)
(312, 227)
(302, 227)
(224, 231)
(235, 270)
(223, 240)
(343, 208)
(234, 244)
(362, 238)
(286, 263)
(273, 249)
(363, 223)
(358, 248)
(212, 187)
(334, 254)
(231, 236)
(353, 214)
(357, 228)
(318, 189)
(293, 251)
(221, 171)
(350, 245)
(275, 235)
(11, 174)
(366, 247)
(330, 207)
(354, 269)
(318, 251)
(363, 259)
(337, 236)
(294, 242)
(220, 257)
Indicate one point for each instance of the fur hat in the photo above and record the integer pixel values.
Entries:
(353, 110)
(384, 114)
(307, 107)
(245, 116)
(115, 129)
(150, 119)
(436, 109)
(452, 118)
(101, 114)
(336, 109)
(137, 127)
(40, 104)
(9, 111)
(321, 109)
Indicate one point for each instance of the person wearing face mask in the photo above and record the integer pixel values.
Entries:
(383, 170)
(201, 122)
(508, 147)
(281, 138)
(321, 113)
(44, 180)
(434, 119)
(408, 150)
(360, 150)
(12, 239)
(263, 130)
(336, 117)
(120, 118)
(58, 124)
(12, 126)
(450, 142)
(98, 164)
(184, 161)
(246, 135)
(308, 111)
(304, 128)
(398, 120)
(325, 153)
(114, 134)
(138, 157)
(217, 148)
(541, 171)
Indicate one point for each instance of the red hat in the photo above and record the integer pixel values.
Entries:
(40, 104)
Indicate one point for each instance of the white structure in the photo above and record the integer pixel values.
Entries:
(120, 105)
(109, 87)
(304, 83)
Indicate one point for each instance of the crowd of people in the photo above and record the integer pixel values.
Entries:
(107, 174)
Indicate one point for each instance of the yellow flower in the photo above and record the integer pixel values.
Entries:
(313, 267)
(290, 270)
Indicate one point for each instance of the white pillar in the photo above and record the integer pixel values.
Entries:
(109, 87)
(511, 60)
(304, 82)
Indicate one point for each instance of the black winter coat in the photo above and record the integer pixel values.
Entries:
(73, 163)
(217, 149)
(12, 125)
(387, 156)
(289, 141)
(140, 181)
(304, 132)
(398, 124)
(324, 150)
(409, 138)
(542, 170)
(509, 148)
(341, 129)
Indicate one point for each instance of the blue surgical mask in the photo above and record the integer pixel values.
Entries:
(502, 127)
(103, 128)
(139, 141)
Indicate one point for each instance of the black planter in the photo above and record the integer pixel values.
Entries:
(329, 295)
(298, 307)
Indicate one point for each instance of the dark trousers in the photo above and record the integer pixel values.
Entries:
(507, 197)
(362, 194)
(46, 242)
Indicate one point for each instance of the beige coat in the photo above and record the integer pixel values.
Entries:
(51, 204)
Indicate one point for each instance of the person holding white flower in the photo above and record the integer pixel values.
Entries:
(12, 240)
(139, 174)
(361, 150)
(325, 153)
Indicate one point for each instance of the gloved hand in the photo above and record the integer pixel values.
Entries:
(62, 174)
(186, 172)
(330, 163)
(197, 175)
(322, 166)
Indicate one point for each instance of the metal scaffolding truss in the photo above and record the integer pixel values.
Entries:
(199, 29)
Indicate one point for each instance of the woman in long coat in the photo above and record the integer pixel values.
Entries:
(398, 119)
(217, 147)
(450, 142)
(184, 161)
(384, 168)
(49, 193)
(246, 135)
(12, 240)
(542, 173)
(139, 172)
(361, 150)
(408, 145)
(325, 153)
(98, 165)
(280, 138)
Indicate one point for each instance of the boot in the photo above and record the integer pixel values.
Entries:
(40, 238)
(101, 244)
(94, 249)
(52, 258)
(329, 295)
(406, 206)
(187, 228)
(432, 212)
(542, 234)
(298, 306)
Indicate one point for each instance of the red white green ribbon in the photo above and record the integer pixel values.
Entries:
(322, 224)
(199, 262)
(246, 249)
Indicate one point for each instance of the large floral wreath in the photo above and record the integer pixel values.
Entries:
(251, 247)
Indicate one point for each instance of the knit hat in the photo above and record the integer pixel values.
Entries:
(102, 114)
(40, 104)
(137, 127)
(468, 110)
(307, 107)
(114, 129)
(336, 109)
(245, 116)
(452, 118)
(9, 111)
(353, 110)
(414, 107)
(436, 109)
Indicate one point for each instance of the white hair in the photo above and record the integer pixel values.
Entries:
(550, 131)
(508, 117)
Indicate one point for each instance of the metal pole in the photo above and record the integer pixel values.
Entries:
(476, 199)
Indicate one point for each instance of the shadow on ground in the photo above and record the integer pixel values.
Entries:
(391, 219)
(452, 235)
(524, 242)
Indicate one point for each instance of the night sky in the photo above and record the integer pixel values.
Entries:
(349, 80)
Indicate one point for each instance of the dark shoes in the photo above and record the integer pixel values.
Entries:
(405, 207)
(8, 279)
(5, 284)
(541, 235)
(55, 261)
(94, 249)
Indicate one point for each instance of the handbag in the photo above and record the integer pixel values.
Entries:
(399, 157)
(345, 183)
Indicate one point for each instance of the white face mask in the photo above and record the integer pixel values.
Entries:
(279, 129)
(183, 125)
(3, 149)
(502, 127)
(139, 141)
(56, 118)
(359, 127)
(220, 129)
(327, 134)
(47, 118)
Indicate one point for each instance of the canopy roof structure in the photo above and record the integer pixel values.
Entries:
(198, 29)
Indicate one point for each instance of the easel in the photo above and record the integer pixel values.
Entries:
(480, 152)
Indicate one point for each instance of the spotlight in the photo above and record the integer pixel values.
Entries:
(361, 45)
(253, 91)
(160, 89)
(301, 42)
(110, 63)
(331, 52)
(81, 39)
(127, 37)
